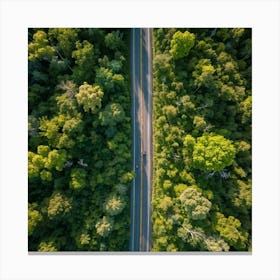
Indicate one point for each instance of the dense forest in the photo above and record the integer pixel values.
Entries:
(202, 139)
(79, 146)
(79, 127)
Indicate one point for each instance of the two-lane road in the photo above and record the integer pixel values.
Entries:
(141, 58)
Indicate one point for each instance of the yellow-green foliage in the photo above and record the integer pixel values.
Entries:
(39, 48)
(181, 44)
(229, 229)
(56, 159)
(104, 226)
(46, 175)
(194, 204)
(90, 97)
(202, 139)
(213, 152)
(216, 245)
(78, 178)
(34, 218)
(114, 205)
(47, 246)
(59, 206)
(84, 239)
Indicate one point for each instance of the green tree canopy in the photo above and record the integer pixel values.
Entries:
(67, 102)
(212, 152)
(47, 246)
(202, 139)
(194, 204)
(229, 230)
(165, 203)
(191, 235)
(79, 162)
(84, 239)
(34, 218)
(66, 39)
(56, 159)
(104, 226)
(203, 73)
(85, 61)
(40, 48)
(114, 40)
(114, 205)
(78, 178)
(112, 114)
(216, 244)
(109, 82)
(90, 97)
(181, 44)
(59, 206)
(246, 109)
(162, 66)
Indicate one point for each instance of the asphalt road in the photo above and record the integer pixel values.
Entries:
(141, 59)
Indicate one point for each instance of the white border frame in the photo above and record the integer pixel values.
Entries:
(17, 16)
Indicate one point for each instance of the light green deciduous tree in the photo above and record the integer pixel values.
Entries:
(213, 152)
(181, 44)
(104, 226)
(90, 97)
(59, 206)
(40, 48)
(194, 204)
(114, 205)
